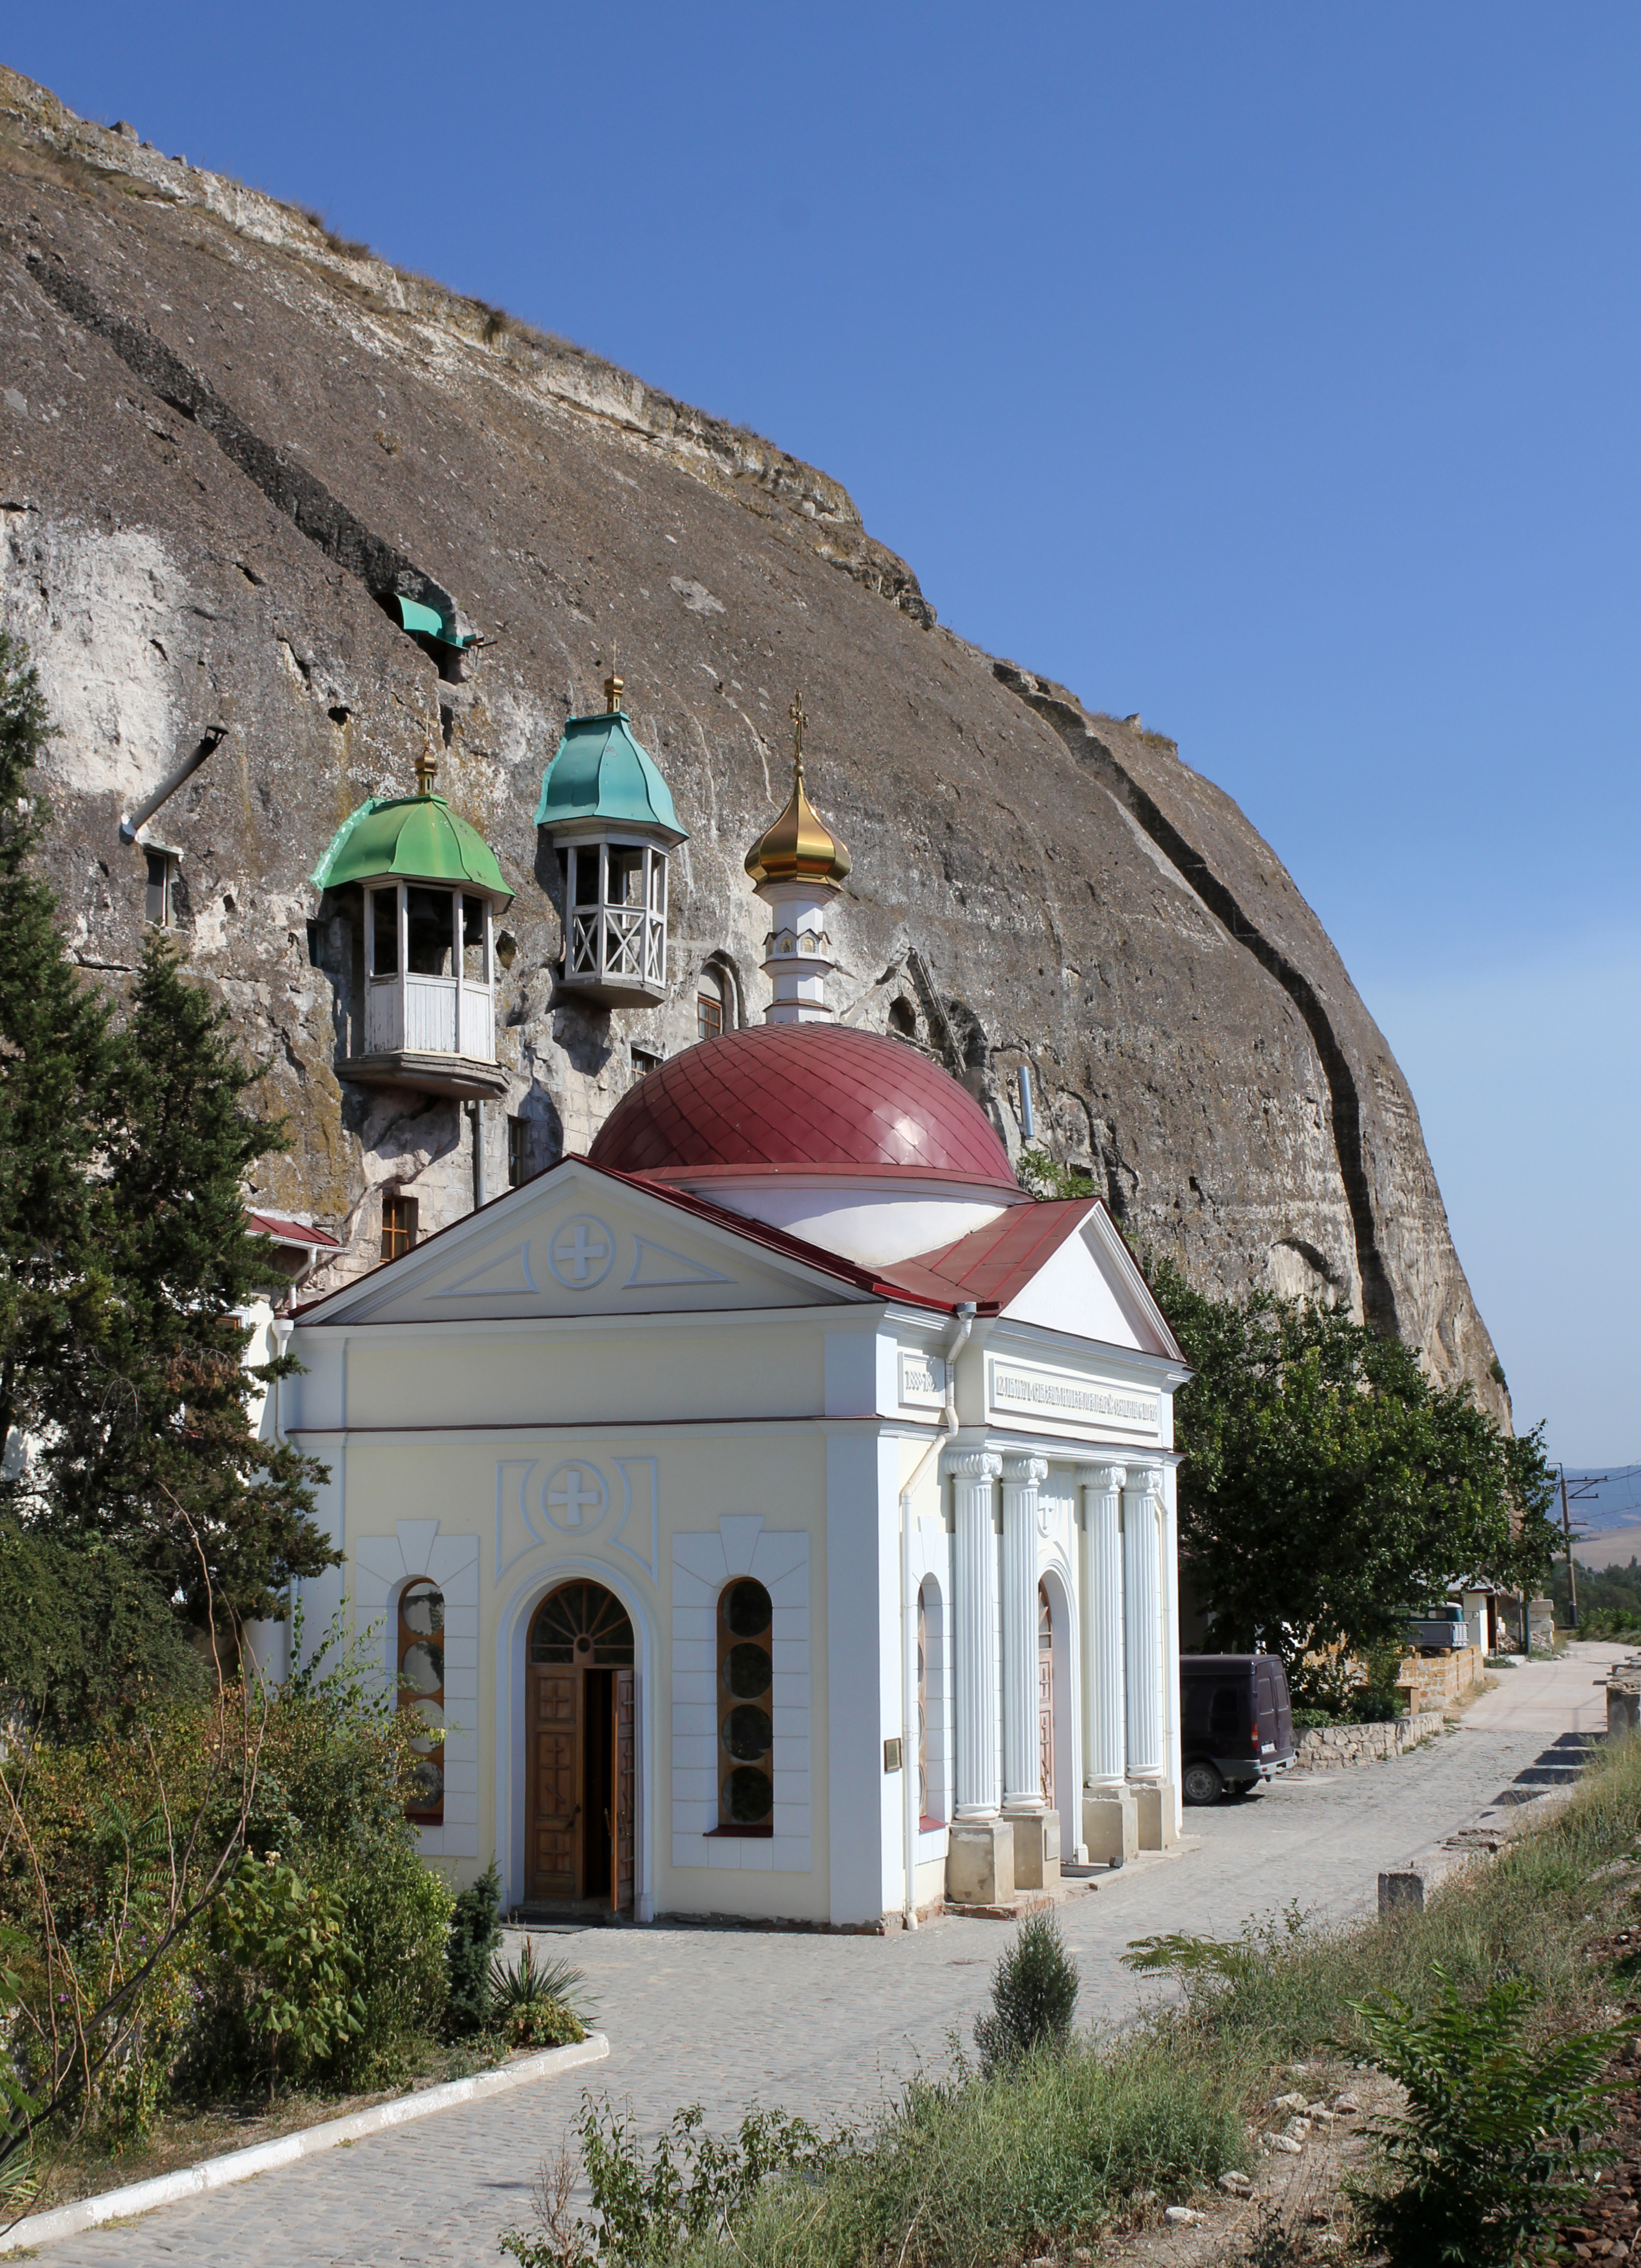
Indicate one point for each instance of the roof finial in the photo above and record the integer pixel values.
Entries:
(613, 687)
(427, 764)
(799, 720)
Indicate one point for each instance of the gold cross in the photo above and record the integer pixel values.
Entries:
(799, 720)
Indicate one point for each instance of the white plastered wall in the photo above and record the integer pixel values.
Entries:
(702, 1562)
(381, 1565)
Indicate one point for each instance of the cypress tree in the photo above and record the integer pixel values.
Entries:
(152, 1445)
(135, 1498)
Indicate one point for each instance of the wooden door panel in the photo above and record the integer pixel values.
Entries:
(555, 1796)
(1045, 1723)
(625, 1807)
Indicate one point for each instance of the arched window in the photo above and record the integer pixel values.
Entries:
(711, 1016)
(422, 1690)
(933, 1739)
(903, 1018)
(922, 1706)
(582, 1626)
(746, 1727)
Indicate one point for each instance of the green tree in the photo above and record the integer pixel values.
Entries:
(55, 1094)
(151, 1443)
(1328, 1484)
(132, 1478)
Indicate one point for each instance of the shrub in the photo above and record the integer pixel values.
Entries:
(1034, 1996)
(396, 1914)
(475, 1930)
(649, 2210)
(1497, 2146)
(537, 2007)
(288, 1971)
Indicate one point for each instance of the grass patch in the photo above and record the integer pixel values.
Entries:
(973, 2168)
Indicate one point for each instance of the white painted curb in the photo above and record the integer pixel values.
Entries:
(264, 2157)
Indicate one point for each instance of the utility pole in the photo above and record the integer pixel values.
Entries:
(1587, 1485)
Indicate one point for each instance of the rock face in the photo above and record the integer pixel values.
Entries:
(226, 437)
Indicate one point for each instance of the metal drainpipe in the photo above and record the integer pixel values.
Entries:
(963, 1325)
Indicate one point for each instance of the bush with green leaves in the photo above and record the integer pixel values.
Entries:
(649, 2209)
(1501, 2136)
(475, 1932)
(292, 1975)
(1034, 1996)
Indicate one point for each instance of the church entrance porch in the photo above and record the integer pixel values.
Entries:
(580, 1805)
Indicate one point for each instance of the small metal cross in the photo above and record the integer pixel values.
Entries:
(799, 720)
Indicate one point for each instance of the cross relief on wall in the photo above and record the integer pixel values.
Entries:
(614, 1501)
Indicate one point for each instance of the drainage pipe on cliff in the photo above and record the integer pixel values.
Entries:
(963, 1324)
(133, 821)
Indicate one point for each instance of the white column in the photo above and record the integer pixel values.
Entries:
(1143, 1621)
(1170, 1636)
(1023, 1773)
(1106, 1741)
(974, 1623)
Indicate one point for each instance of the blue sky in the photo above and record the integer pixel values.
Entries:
(1269, 371)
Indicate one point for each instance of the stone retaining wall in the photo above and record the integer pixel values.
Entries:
(1428, 1680)
(1330, 1748)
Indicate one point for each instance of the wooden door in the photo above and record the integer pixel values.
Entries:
(554, 1869)
(1045, 1694)
(624, 1806)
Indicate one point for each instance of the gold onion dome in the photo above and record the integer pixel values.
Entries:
(799, 846)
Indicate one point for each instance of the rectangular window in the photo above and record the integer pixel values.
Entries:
(518, 1150)
(384, 933)
(584, 868)
(156, 895)
(473, 941)
(644, 1060)
(398, 1226)
(431, 927)
(626, 877)
(709, 1017)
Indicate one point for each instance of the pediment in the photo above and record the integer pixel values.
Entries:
(574, 1241)
(1089, 1287)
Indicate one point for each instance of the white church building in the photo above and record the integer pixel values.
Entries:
(771, 1514)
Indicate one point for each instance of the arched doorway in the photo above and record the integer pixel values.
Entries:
(580, 1808)
(1045, 1694)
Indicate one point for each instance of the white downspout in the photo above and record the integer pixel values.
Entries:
(963, 1324)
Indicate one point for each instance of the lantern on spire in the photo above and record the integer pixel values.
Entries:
(798, 866)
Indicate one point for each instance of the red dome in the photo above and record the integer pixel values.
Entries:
(792, 1097)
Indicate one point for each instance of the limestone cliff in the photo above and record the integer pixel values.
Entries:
(225, 435)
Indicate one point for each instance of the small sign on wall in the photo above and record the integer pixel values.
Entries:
(922, 1381)
(892, 1756)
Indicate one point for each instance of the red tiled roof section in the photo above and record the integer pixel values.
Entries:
(991, 1264)
(815, 1096)
(288, 1232)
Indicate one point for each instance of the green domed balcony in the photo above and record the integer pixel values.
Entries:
(610, 816)
(428, 890)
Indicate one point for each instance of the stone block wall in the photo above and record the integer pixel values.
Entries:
(1429, 1681)
(1331, 1748)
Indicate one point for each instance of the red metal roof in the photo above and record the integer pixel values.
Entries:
(802, 1097)
(991, 1264)
(289, 1232)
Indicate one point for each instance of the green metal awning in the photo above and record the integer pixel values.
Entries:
(427, 622)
